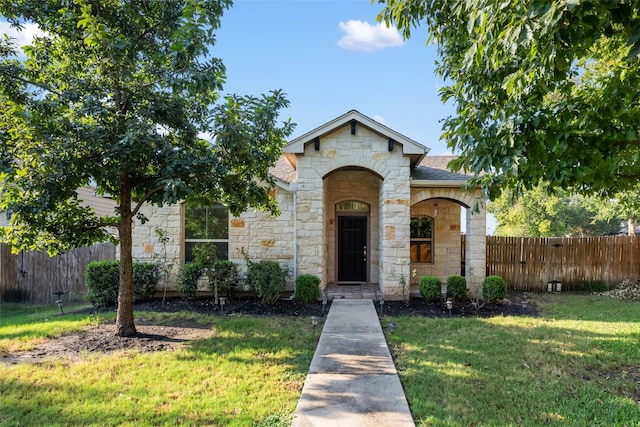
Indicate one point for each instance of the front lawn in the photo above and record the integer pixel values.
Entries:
(577, 365)
(249, 372)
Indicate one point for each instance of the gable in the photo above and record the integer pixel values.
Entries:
(353, 119)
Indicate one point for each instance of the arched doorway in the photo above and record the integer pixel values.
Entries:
(352, 223)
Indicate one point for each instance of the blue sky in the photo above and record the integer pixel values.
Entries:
(330, 57)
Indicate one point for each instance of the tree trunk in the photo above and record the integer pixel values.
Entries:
(631, 226)
(124, 319)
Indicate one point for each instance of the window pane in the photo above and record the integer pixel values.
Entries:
(421, 227)
(425, 252)
(195, 223)
(421, 252)
(222, 249)
(206, 222)
(352, 205)
(218, 224)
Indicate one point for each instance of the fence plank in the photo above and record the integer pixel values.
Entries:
(33, 277)
(529, 264)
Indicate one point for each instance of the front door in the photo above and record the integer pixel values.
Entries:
(352, 248)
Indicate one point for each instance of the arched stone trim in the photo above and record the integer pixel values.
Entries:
(475, 224)
(351, 168)
(378, 168)
(465, 199)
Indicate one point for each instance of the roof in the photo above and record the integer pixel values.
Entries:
(431, 168)
(434, 168)
(283, 170)
(411, 148)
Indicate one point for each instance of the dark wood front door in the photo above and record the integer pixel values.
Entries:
(352, 248)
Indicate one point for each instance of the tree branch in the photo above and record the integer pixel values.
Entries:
(143, 199)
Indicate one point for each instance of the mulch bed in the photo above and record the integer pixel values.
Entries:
(288, 307)
(101, 339)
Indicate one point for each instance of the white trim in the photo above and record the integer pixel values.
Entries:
(419, 183)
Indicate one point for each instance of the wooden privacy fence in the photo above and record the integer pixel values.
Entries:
(33, 277)
(529, 264)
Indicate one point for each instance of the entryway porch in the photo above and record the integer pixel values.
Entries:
(364, 291)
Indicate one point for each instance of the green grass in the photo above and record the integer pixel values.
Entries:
(577, 365)
(249, 373)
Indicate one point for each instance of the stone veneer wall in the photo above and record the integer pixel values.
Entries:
(446, 240)
(367, 150)
(476, 248)
(263, 236)
(146, 245)
(259, 234)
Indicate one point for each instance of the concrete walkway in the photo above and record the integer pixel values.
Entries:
(352, 380)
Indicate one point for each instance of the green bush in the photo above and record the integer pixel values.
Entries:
(268, 279)
(225, 275)
(188, 276)
(103, 280)
(457, 287)
(307, 288)
(595, 286)
(494, 288)
(146, 276)
(430, 288)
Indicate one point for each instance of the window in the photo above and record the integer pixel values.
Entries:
(352, 205)
(206, 226)
(422, 239)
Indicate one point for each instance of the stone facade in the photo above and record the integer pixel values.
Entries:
(350, 159)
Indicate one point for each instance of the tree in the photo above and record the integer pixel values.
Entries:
(543, 213)
(545, 92)
(115, 94)
(625, 204)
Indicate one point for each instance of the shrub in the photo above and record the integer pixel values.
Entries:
(457, 287)
(188, 276)
(146, 276)
(103, 280)
(307, 288)
(494, 288)
(268, 279)
(224, 275)
(595, 286)
(430, 288)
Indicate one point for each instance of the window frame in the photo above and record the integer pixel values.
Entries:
(186, 241)
(418, 241)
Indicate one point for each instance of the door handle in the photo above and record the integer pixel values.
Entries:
(364, 252)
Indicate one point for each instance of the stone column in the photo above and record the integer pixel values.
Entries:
(394, 231)
(476, 249)
(310, 227)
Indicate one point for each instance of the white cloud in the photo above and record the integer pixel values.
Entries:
(379, 119)
(22, 36)
(363, 36)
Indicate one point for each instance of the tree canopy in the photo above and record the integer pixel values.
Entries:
(542, 213)
(118, 94)
(544, 91)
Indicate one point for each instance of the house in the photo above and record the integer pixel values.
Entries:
(360, 203)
